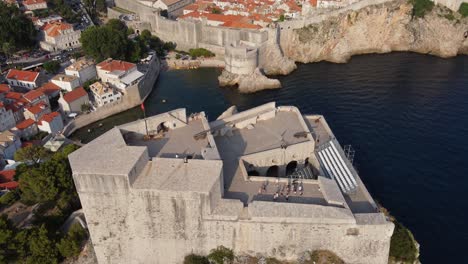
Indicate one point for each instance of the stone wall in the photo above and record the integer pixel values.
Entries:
(135, 95)
(146, 226)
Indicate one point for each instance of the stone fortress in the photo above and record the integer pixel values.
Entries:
(359, 27)
(267, 180)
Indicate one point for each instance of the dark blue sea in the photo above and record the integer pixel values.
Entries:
(406, 115)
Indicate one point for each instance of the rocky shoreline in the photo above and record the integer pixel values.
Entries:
(248, 83)
(380, 28)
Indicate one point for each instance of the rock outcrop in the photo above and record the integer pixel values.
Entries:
(273, 61)
(248, 83)
(379, 29)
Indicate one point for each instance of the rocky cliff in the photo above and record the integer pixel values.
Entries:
(248, 83)
(379, 29)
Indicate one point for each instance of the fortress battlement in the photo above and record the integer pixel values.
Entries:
(266, 180)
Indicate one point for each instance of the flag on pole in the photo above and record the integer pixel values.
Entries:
(142, 107)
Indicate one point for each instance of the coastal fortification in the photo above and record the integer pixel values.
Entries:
(267, 181)
(366, 26)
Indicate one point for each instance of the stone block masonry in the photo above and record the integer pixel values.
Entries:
(180, 190)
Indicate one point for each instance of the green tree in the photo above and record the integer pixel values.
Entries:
(15, 28)
(117, 25)
(104, 42)
(37, 187)
(33, 154)
(70, 245)
(51, 66)
(7, 233)
(41, 248)
(281, 18)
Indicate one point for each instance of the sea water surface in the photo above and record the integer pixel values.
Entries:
(406, 115)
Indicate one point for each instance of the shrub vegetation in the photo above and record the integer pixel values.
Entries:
(221, 253)
(421, 7)
(201, 52)
(196, 259)
(463, 9)
(402, 245)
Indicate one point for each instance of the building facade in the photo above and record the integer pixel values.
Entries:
(26, 129)
(84, 69)
(51, 123)
(73, 101)
(25, 79)
(9, 144)
(7, 118)
(66, 82)
(179, 184)
(60, 36)
(103, 93)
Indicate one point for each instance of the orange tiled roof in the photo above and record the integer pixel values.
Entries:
(49, 88)
(33, 2)
(31, 95)
(36, 109)
(115, 65)
(7, 179)
(4, 88)
(74, 95)
(237, 24)
(25, 124)
(25, 76)
(48, 117)
(54, 29)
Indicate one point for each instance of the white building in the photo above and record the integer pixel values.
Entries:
(51, 123)
(103, 93)
(26, 129)
(118, 73)
(7, 118)
(26, 79)
(84, 69)
(66, 82)
(72, 102)
(60, 36)
(9, 144)
(32, 5)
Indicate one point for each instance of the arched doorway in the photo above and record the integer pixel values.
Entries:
(253, 173)
(161, 128)
(273, 171)
(291, 167)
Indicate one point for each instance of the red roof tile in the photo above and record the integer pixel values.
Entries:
(33, 2)
(36, 109)
(49, 88)
(237, 24)
(7, 176)
(115, 65)
(25, 124)
(56, 28)
(32, 95)
(74, 95)
(25, 76)
(48, 117)
(4, 88)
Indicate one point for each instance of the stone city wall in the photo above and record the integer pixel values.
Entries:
(135, 95)
(191, 34)
(146, 226)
